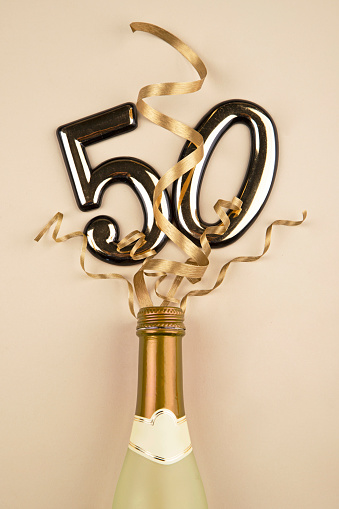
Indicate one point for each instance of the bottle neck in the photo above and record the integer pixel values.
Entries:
(160, 378)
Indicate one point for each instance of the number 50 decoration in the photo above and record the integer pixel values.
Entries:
(89, 184)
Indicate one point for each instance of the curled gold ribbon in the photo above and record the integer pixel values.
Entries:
(197, 262)
(199, 256)
(57, 218)
(194, 268)
(223, 270)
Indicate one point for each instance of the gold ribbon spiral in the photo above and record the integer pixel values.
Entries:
(197, 262)
(58, 220)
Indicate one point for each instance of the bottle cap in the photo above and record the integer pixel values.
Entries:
(160, 317)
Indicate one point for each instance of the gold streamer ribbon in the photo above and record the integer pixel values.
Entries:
(195, 266)
(58, 220)
(176, 127)
(223, 270)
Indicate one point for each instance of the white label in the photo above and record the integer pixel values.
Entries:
(163, 438)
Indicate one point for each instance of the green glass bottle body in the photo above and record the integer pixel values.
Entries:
(160, 471)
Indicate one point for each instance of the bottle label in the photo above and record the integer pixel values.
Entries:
(163, 438)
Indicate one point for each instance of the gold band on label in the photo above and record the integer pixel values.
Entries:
(156, 414)
(172, 459)
(195, 266)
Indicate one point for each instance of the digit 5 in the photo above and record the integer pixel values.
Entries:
(90, 184)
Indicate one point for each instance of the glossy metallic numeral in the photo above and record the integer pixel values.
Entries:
(103, 232)
(258, 180)
(89, 184)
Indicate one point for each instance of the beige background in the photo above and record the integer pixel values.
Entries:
(261, 353)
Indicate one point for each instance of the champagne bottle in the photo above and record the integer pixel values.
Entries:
(160, 471)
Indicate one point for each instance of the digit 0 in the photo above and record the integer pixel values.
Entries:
(259, 176)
